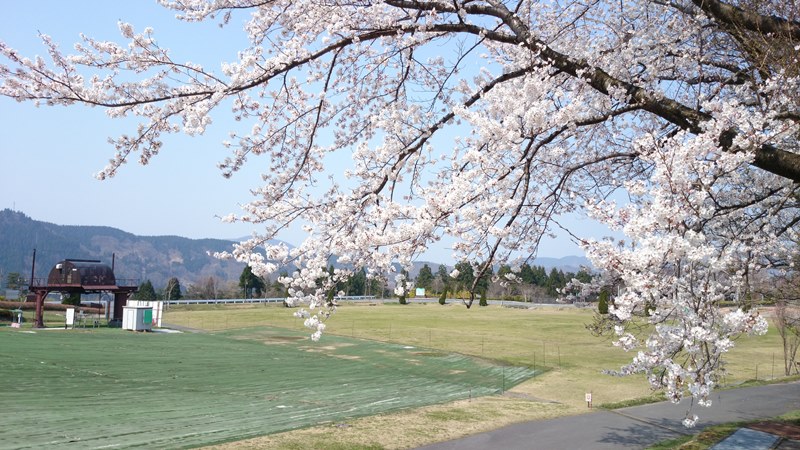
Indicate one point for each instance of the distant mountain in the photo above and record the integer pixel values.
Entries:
(566, 263)
(154, 258)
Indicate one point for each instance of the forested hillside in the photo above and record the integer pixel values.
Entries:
(156, 258)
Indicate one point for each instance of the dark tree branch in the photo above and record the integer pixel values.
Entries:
(751, 21)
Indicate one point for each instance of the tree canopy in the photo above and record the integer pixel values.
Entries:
(172, 291)
(675, 123)
(250, 283)
(425, 277)
(146, 292)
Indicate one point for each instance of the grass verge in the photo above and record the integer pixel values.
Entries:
(712, 435)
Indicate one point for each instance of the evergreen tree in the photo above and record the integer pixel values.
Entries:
(540, 276)
(374, 286)
(425, 277)
(526, 274)
(583, 276)
(464, 279)
(483, 283)
(357, 283)
(441, 272)
(14, 281)
(249, 282)
(443, 297)
(146, 292)
(503, 270)
(602, 302)
(73, 299)
(173, 289)
(555, 281)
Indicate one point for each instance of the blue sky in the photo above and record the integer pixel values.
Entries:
(49, 155)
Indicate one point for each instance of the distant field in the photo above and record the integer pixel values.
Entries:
(108, 387)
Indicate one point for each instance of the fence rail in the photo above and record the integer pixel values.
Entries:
(258, 300)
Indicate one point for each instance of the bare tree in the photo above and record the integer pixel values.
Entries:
(787, 321)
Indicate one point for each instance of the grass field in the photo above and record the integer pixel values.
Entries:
(102, 387)
(359, 386)
(553, 339)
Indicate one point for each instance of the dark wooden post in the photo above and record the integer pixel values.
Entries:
(39, 321)
(120, 300)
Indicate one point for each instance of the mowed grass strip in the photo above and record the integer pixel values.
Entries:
(109, 387)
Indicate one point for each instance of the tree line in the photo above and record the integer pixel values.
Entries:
(531, 282)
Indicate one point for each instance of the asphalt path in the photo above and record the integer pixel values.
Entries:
(635, 427)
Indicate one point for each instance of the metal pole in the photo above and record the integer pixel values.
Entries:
(33, 267)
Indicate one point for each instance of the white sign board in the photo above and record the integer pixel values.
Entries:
(70, 316)
(588, 397)
(420, 292)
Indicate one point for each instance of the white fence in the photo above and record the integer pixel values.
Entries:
(259, 300)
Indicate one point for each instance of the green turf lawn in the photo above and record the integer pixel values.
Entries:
(109, 387)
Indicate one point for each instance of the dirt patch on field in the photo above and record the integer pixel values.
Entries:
(347, 357)
(430, 354)
(325, 348)
(282, 339)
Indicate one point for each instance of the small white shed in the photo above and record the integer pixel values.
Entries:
(137, 318)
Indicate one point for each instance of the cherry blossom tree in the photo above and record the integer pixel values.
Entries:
(675, 122)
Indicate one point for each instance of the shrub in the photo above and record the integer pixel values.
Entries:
(443, 297)
(6, 315)
(602, 303)
(73, 299)
(482, 301)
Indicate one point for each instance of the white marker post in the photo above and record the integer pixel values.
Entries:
(589, 400)
(70, 318)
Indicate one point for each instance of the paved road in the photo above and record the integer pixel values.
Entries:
(635, 427)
